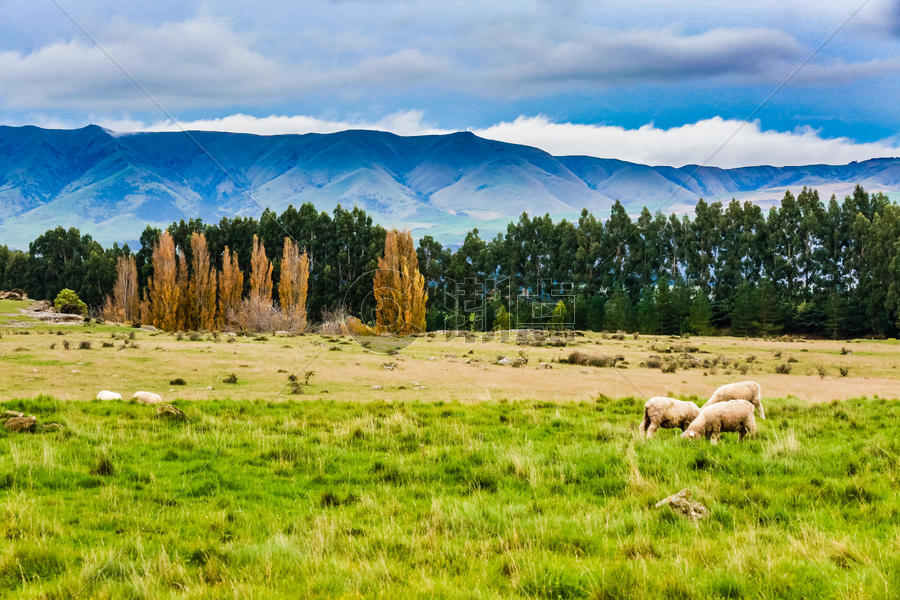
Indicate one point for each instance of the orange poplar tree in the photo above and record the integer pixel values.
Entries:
(257, 311)
(163, 293)
(203, 284)
(231, 288)
(293, 285)
(185, 319)
(123, 306)
(399, 288)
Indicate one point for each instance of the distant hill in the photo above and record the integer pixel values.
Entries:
(113, 185)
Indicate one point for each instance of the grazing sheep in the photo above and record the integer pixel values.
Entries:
(731, 415)
(147, 397)
(745, 390)
(108, 395)
(667, 413)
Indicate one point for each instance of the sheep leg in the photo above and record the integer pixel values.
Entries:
(652, 429)
(714, 439)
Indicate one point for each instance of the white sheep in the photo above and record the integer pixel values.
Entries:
(667, 413)
(147, 397)
(744, 390)
(731, 415)
(108, 395)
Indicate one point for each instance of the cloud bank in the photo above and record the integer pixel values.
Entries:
(703, 142)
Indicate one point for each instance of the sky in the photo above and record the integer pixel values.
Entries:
(704, 82)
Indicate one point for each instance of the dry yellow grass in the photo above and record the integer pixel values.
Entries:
(428, 368)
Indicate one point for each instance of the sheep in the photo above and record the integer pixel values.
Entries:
(745, 390)
(667, 413)
(108, 395)
(147, 397)
(731, 415)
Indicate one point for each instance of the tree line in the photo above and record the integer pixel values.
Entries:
(830, 269)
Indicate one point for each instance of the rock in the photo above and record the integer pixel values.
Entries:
(21, 424)
(545, 365)
(376, 387)
(8, 414)
(149, 328)
(503, 360)
(682, 504)
(390, 366)
(170, 412)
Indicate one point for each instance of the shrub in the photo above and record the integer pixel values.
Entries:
(84, 345)
(822, 371)
(654, 362)
(66, 344)
(845, 351)
(232, 378)
(178, 381)
(669, 367)
(67, 301)
(791, 359)
(577, 357)
(194, 336)
(844, 371)
(108, 344)
(778, 354)
(784, 368)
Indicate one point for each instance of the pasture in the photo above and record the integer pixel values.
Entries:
(328, 469)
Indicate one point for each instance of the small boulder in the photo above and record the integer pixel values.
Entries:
(21, 424)
(682, 504)
(170, 412)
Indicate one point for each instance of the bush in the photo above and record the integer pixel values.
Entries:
(67, 301)
(85, 345)
(178, 381)
(230, 379)
(783, 369)
(577, 357)
(844, 371)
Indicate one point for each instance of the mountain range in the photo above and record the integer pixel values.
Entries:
(112, 185)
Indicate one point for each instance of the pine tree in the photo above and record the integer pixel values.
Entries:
(123, 306)
(399, 288)
(647, 311)
(743, 317)
(293, 284)
(163, 293)
(231, 288)
(618, 312)
(699, 320)
(203, 284)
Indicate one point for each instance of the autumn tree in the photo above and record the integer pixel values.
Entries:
(399, 288)
(203, 284)
(293, 285)
(231, 288)
(257, 312)
(163, 292)
(123, 305)
(186, 319)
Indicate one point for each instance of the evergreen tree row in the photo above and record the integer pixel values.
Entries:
(804, 266)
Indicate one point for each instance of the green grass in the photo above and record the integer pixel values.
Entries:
(546, 500)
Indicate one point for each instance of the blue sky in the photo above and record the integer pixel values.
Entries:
(654, 82)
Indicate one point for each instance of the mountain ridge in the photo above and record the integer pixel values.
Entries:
(112, 184)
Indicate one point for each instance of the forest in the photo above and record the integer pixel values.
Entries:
(805, 266)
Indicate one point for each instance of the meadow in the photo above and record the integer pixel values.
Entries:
(433, 471)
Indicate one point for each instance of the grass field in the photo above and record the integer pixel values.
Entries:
(454, 479)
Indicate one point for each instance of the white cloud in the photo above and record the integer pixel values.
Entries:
(693, 143)
(402, 123)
